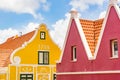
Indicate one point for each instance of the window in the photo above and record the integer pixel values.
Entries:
(42, 35)
(114, 47)
(43, 57)
(54, 76)
(73, 56)
(26, 76)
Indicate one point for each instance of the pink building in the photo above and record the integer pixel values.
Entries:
(92, 48)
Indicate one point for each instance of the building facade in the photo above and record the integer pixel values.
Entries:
(91, 50)
(36, 59)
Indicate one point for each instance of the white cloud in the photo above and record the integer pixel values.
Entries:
(84, 4)
(7, 33)
(12, 32)
(102, 14)
(29, 27)
(23, 6)
(59, 30)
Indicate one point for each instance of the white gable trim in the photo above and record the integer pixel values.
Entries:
(65, 41)
(103, 26)
(83, 38)
(117, 10)
(82, 35)
(25, 44)
(22, 47)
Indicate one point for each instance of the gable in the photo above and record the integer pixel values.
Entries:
(111, 32)
(73, 39)
(41, 42)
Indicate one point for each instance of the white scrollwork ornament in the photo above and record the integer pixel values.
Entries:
(17, 60)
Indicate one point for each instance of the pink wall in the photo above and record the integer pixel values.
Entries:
(112, 31)
(103, 60)
(82, 62)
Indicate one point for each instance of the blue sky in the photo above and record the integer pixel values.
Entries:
(24, 15)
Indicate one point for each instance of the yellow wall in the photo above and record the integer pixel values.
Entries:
(3, 76)
(29, 55)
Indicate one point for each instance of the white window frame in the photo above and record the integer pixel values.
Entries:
(114, 53)
(74, 55)
(42, 35)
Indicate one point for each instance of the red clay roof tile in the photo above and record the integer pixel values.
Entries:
(10, 45)
(91, 30)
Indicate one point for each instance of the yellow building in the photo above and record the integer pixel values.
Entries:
(36, 59)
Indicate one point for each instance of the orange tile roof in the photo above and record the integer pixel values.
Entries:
(92, 31)
(10, 45)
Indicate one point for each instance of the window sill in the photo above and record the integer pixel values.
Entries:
(74, 60)
(114, 57)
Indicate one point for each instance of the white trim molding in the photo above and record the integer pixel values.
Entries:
(90, 72)
(65, 41)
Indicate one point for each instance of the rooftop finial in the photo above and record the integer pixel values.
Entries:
(74, 13)
(113, 1)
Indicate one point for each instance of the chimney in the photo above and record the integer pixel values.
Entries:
(74, 13)
(20, 34)
(113, 2)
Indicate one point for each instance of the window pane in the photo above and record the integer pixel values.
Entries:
(73, 55)
(29, 79)
(23, 75)
(115, 48)
(23, 79)
(46, 58)
(42, 35)
(74, 52)
(29, 75)
(40, 57)
(26, 76)
(54, 76)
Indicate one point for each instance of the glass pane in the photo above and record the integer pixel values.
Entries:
(73, 53)
(42, 35)
(54, 76)
(46, 58)
(23, 75)
(115, 48)
(40, 57)
(29, 75)
(23, 79)
(29, 79)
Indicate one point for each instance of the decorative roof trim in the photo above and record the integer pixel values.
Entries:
(83, 38)
(3, 70)
(25, 44)
(82, 35)
(68, 29)
(22, 47)
(90, 72)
